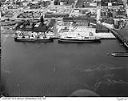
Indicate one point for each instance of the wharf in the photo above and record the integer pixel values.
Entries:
(105, 35)
(84, 31)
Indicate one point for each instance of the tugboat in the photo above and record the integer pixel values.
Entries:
(80, 39)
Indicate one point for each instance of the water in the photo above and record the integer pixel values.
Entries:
(52, 69)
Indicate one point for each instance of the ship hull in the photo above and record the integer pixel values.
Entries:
(33, 40)
(78, 41)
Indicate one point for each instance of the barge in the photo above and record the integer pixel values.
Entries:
(120, 54)
(80, 39)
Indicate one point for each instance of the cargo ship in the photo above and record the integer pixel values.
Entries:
(17, 39)
(27, 31)
(32, 37)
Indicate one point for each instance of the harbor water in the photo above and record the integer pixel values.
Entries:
(57, 69)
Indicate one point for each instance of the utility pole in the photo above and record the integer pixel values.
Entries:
(98, 10)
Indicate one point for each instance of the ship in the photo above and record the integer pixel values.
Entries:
(76, 40)
(20, 37)
(80, 39)
(27, 31)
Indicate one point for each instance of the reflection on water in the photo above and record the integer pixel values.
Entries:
(108, 81)
(53, 69)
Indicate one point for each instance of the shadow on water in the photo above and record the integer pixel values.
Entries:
(3, 90)
(102, 80)
(115, 83)
(107, 81)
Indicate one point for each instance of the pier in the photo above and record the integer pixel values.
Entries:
(121, 34)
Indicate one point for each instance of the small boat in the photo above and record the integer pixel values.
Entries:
(120, 54)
